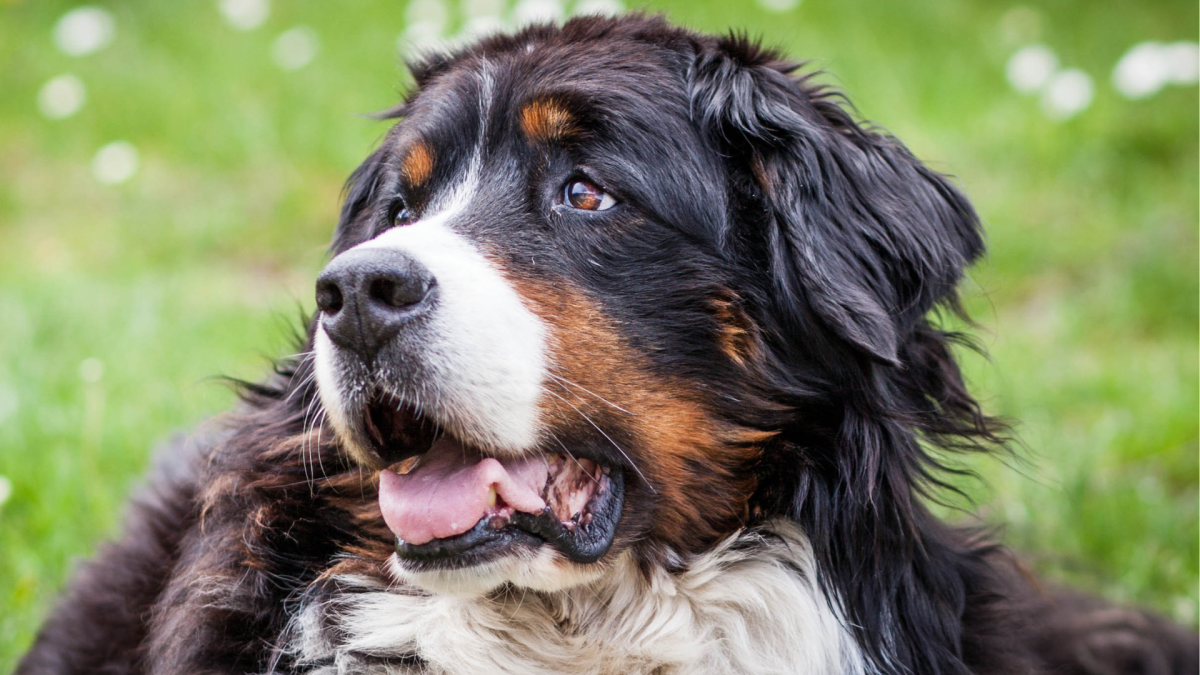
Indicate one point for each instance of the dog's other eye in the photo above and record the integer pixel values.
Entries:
(401, 214)
(587, 196)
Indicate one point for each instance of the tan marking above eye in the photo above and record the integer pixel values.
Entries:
(547, 120)
(417, 166)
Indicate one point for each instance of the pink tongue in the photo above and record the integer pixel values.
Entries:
(447, 493)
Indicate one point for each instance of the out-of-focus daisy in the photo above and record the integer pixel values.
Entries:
(537, 11)
(295, 48)
(245, 14)
(1149, 66)
(1068, 93)
(61, 97)
(600, 7)
(114, 164)
(425, 23)
(779, 5)
(84, 30)
(1030, 68)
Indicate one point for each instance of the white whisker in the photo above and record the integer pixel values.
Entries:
(589, 391)
(608, 438)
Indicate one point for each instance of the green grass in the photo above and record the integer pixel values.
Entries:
(1088, 302)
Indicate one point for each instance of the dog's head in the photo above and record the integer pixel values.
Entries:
(617, 287)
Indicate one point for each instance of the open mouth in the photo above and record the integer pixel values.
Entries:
(452, 505)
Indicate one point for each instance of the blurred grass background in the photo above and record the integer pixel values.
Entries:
(117, 302)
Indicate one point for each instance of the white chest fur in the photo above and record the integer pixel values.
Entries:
(751, 605)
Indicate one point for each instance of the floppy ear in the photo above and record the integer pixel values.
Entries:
(861, 233)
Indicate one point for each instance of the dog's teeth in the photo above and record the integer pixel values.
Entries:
(491, 500)
(407, 465)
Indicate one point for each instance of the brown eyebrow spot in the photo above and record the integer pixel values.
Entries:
(417, 166)
(547, 120)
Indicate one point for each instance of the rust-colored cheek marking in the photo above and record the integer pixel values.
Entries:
(547, 120)
(698, 465)
(417, 166)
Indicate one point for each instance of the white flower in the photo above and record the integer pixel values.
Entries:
(476, 8)
(61, 97)
(1183, 62)
(424, 27)
(91, 370)
(1068, 93)
(1142, 71)
(779, 5)
(84, 30)
(600, 7)
(113, 164)
(431, 13)
(295, 48)
(245, 14)
(480, 26)
(1030, 68)
(537, 11)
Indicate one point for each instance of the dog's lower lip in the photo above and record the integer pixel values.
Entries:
(583, 543)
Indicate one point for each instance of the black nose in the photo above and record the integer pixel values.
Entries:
(367, 295)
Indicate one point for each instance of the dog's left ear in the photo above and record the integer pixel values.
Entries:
(862, 235)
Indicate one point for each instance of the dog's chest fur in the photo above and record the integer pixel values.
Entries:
(751, 605)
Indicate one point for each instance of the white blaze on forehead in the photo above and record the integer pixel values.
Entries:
(479, 355)
(482, 350)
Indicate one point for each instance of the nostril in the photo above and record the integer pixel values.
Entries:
(397, 292)
(329, 297)
(367, 295)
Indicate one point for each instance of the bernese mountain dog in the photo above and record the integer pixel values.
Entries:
(623, 362)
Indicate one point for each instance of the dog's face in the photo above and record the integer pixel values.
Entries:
(554, 308)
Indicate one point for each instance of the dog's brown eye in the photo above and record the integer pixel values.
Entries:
(402, 214)
(588, 196)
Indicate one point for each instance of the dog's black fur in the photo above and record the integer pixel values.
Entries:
(832, 244)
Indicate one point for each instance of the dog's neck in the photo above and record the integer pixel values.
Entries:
(751, 605)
